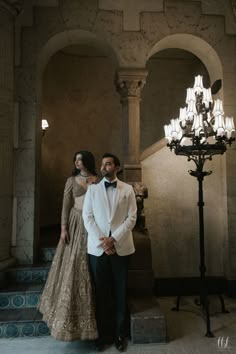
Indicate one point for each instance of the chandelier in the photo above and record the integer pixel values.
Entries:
(200, 132)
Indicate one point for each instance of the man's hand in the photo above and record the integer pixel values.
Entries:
(107, 244)
(111, 251)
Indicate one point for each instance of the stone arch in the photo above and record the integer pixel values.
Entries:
(69, 38)
(199, 47)
(58, 42)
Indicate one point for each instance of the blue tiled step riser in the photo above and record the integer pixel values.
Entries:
(23, 329)
(18, 300)
(28, 275)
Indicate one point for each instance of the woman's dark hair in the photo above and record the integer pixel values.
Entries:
(88, 162)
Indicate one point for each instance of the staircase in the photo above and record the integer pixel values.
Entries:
(19, 316)
(18, 301)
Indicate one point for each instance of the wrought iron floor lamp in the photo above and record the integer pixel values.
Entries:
(200, 132)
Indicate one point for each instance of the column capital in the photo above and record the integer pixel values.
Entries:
(13, 6)
(129, 82)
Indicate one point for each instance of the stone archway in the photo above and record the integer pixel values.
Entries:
(80, 102)
(201, 49)
(204, 51)
(69, 38)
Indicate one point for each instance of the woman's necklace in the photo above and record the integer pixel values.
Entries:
(84, 177)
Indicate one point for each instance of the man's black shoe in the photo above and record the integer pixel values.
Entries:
(109, 340)
(99, 346)
(120, 344)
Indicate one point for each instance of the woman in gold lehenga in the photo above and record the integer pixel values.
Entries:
(67, 302)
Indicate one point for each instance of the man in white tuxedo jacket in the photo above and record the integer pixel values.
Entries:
(109, 214)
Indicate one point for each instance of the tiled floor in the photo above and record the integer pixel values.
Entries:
(186, 331)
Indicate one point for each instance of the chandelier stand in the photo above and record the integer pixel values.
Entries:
(199, 160)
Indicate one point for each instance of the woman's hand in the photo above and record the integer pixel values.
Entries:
(64, 234)
(94, 180)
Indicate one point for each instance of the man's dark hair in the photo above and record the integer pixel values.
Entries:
(115, 159)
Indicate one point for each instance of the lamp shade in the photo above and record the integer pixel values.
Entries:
(44, 124)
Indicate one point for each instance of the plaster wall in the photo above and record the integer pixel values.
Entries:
(84, 113)
(172, 215)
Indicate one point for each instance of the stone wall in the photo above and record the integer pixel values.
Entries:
(6, 132)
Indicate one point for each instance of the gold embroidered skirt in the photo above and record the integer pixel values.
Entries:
(67, 302)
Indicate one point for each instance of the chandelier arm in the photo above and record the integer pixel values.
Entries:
(194, 160)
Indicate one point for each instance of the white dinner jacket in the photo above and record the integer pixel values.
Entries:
(99, 221)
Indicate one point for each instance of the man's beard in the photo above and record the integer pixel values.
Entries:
(106, 173)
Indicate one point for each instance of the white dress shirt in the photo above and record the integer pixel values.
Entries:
(111, 193)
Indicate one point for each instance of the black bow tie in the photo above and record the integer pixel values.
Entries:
(110, 184)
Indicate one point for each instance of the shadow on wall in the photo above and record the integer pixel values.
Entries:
(172, 215)
(50, 235)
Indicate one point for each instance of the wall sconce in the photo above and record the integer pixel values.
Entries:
(44, 125)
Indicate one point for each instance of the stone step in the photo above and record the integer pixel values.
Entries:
(28, 274)
(147, 321)
(22, 323)
(20, 296)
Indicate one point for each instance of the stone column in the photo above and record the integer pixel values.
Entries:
(8, 11)
(129, 84)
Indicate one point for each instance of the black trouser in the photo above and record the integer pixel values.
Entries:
(110, 275)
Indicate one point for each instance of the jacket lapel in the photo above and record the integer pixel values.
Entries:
(117, 196)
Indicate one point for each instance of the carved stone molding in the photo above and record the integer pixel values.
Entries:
(13, 6)
(129, 83)
(131, 10)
